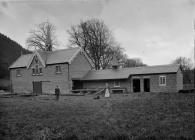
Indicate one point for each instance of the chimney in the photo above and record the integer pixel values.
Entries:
(48, 41)
(48, 47)
(115, 64)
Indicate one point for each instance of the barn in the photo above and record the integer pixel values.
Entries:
(71, 69)
(162, 78)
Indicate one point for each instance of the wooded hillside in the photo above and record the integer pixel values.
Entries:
(10, 51)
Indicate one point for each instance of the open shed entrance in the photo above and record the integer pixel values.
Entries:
(77, 84)
(147, 85)
(37, 87)
(136, 85)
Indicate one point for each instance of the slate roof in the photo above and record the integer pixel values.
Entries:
(59, 56)
(124, 73)
(22, 61)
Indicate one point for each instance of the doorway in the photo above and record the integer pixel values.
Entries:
(147, 85)
(77, 84)
(37, 87)
(136, 85)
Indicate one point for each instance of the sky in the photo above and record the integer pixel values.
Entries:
(157, 31)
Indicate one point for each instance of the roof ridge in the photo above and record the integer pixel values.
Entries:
(67, 49)
(153, 66)
(58, 56)
(25, 54)
(59, 50)
(139, 67)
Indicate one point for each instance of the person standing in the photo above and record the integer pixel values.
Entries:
(107, 92)
(57, 92)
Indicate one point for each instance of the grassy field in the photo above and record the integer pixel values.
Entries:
(143, 116)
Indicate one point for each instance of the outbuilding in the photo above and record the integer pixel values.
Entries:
(162, 78)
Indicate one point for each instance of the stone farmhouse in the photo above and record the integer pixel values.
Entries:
(71, 70)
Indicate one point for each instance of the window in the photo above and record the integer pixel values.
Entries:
(18, 72)
(116, 83)
(33, 71)
(40, 71)
(162, 80)
(36, 69)
(36, 59)
(58, 69)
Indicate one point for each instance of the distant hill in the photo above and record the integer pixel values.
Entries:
(10, 50)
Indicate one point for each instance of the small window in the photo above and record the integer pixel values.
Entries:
(36, 70)
(162, 80)
(116, 83)
(33, 71)
(40, 71)
(58, 69)
(18, 72)
(36, 59)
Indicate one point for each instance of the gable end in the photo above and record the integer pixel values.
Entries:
(39, 57)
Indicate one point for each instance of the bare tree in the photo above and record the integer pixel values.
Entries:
(185, 63)
(96, 40)
(43, 37)
(112, 53)
(135, 62)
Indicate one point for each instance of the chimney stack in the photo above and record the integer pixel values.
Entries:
(48, 41)
(115, 64)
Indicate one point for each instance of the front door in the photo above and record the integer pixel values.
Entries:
(146, 85)
(37, 87)
(136, 85)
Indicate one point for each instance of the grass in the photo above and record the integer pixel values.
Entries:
(135, 116)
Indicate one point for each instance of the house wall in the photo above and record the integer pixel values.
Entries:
(24, 83)
(79, 66)
(96, 84)
(49, 78)
(179, 80)
(154, 82)
(171, 83)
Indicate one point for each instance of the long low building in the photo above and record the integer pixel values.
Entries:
(164, 78)
(71, 69)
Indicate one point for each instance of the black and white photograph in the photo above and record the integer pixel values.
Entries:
(97, 69)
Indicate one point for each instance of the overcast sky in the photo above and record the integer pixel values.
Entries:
(157, 31)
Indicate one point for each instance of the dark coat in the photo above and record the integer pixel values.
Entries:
(57, 91)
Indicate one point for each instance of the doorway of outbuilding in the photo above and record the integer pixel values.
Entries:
(147, 85)
(37, 87)
(136, 85)
(77, 84)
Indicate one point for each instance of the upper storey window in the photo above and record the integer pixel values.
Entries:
(40, 71)
(18, 72)
(37, 70)
(58, 69)
(36, 60)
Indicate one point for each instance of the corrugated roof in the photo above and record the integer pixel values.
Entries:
(59, 56)
(124, 73)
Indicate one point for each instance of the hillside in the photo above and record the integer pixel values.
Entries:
(10, 51)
